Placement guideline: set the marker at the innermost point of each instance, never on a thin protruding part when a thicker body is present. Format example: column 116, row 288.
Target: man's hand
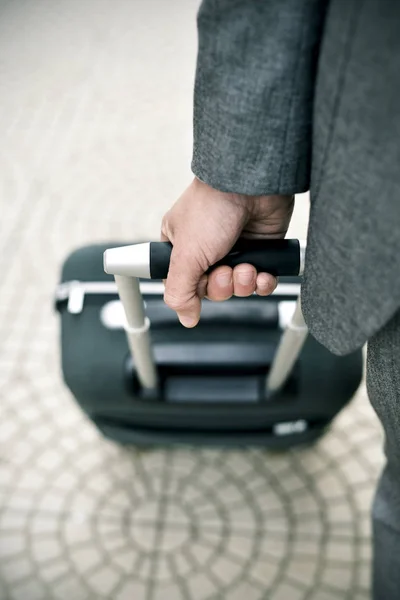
column 203, row 225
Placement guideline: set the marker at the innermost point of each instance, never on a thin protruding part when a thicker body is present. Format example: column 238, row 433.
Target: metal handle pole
column 137, row 327
column 288, row 350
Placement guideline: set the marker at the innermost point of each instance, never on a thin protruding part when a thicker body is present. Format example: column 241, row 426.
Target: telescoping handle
column 151, row 260
column 137, row 327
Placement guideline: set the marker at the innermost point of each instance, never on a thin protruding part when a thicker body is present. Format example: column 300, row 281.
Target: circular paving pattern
column 84, row 518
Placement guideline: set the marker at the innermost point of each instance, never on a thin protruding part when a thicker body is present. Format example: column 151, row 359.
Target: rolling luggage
column 248, row 374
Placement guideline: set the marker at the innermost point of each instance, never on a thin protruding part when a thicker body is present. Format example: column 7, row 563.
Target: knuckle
column 167, row 225
column 174, row 302
column 164, row 226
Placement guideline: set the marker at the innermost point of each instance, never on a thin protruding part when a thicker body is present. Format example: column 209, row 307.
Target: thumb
column 182, row 284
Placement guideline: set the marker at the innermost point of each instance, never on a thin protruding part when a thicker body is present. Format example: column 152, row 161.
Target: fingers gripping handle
column 278, row 257
column 151, row 260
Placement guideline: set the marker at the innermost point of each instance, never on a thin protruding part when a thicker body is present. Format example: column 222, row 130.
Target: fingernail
column 245, row 277
column 187, row 321
column 224, row 279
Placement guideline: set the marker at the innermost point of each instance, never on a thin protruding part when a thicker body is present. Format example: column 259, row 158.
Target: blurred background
column 95, row 123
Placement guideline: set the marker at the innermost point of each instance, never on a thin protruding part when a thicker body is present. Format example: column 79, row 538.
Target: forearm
column 253, row 94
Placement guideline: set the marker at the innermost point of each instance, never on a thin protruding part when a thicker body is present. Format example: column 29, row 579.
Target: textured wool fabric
column 253, row 94
column 383, row 380
column 352, row 276
column 386, row 567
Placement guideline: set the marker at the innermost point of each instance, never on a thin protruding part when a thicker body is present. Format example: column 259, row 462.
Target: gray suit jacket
column 299, row 94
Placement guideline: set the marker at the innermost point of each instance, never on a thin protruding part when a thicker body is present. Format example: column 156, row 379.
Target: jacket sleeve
column 253, row 96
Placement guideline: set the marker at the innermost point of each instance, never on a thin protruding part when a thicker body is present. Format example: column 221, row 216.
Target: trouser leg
column 383, row 381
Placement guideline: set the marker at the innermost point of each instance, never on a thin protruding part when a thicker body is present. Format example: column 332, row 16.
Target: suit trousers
column 383, row 382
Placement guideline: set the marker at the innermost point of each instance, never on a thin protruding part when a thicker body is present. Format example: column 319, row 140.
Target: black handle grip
column 278, row 257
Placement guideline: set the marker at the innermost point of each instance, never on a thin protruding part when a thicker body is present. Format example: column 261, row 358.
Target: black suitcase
column 212, row 377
